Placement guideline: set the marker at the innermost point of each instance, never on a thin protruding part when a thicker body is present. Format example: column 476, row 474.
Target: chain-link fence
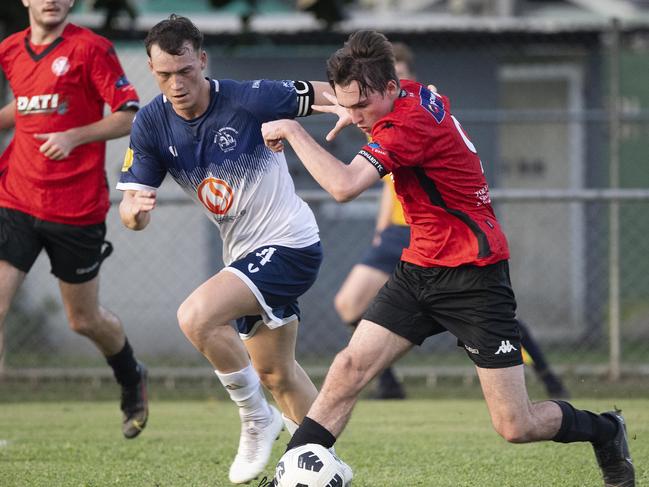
column 560, row 120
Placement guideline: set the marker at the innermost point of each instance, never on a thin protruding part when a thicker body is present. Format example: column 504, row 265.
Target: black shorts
column 75, row 252
column 476, row 304
column 387, row 254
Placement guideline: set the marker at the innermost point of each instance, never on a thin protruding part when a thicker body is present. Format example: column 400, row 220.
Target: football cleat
column 613, row 456
column 135, row 405
column 255, row 445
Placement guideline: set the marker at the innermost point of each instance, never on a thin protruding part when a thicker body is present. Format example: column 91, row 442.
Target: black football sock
column 311, row 431
column 125, row 366
column 580, row 425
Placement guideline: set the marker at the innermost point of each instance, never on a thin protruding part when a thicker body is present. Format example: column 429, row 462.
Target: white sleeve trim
column 135, row 187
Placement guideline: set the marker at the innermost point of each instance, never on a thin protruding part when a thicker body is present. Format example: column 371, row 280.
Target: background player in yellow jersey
column 391, row 236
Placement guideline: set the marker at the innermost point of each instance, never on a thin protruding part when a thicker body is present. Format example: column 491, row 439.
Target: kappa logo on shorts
column 216, row 195
column 505, row 347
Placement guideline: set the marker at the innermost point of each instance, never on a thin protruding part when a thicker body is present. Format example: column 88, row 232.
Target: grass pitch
column 421, row 442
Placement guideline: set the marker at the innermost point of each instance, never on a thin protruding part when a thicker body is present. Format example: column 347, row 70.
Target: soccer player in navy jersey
column 53, row 192
column 454, row 275
column 206, row 133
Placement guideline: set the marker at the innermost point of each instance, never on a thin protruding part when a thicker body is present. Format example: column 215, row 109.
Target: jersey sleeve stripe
column 135, row 187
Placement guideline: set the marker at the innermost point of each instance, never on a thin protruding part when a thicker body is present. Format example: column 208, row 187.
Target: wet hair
column 367, row 58
column 171, row 35
column 403, row 54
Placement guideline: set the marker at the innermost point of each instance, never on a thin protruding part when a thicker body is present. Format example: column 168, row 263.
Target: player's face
column 180, row 79
column 48, row 14
column 366, row 110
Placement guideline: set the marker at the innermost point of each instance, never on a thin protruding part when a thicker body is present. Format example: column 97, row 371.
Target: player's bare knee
column 275, row 379
column 345, row 307
column 513, row 430
column 83, row 324
column 352, row 370
column 189, row 321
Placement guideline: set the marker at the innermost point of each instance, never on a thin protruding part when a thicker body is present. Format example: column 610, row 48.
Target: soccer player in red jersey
column 53, row 188
column 454, row 275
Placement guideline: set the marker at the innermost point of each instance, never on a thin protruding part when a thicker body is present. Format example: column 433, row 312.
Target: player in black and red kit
column 53, row 188
column 454, row 275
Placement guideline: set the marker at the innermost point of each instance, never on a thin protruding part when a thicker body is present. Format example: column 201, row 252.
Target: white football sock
column 291, row 426
column 245, row 390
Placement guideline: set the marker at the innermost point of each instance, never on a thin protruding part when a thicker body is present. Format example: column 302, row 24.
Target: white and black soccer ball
column 309, row 465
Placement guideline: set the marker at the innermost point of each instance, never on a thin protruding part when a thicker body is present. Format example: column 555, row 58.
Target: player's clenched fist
column 273, row 133
column 135, row 208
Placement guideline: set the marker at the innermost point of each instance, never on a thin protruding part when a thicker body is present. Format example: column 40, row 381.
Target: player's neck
column 200, row 107
column 44, row 35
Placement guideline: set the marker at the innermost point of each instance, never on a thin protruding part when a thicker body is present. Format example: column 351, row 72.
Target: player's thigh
column 360, row 287
column 219, row 300
column 80, row 300
column 273, row 350
column 10, row 280
column 505, row 393
column 373, row 347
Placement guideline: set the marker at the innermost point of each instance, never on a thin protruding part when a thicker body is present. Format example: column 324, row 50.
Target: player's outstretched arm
column 342, row 181
column 332, row 106
column 135, row 208
column 58, row 145
column 8, row 116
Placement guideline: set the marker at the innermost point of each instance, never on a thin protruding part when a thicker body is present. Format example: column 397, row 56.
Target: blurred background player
column 271, row 244
column 391, row 236
column 53, row 192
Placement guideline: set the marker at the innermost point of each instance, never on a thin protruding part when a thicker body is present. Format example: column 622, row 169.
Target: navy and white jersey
column 220, row 160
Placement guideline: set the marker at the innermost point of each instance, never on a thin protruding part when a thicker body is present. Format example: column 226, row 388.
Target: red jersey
column 439, row 180
column 62, row 86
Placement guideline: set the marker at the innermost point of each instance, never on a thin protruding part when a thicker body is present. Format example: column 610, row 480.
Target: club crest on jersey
column 60, row 65
column 226, row 138
column 216, row 195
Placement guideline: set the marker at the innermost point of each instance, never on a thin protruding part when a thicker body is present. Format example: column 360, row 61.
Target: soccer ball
column 309, row 465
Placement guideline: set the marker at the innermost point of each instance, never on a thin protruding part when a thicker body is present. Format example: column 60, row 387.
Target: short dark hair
column 367, row 58
column 171, row 35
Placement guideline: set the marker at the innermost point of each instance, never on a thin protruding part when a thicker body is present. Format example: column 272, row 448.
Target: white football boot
column 255, row 445
column 348, row 474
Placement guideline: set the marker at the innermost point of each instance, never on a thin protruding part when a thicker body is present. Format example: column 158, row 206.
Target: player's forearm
column 320, row 87
column 8, row 116
column 113, row 126
column 329, row 172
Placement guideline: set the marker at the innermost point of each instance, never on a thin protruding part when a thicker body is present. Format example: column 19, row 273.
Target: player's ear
column 203, row 59
column 392, row 88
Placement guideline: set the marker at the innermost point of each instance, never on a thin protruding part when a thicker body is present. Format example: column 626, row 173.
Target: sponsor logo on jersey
column 216, row 195
column 432, row 104
column 48, row 103
column 128, row 160
column 121, row 82
column 376, row 147
column 226, row 138
column 60, row 66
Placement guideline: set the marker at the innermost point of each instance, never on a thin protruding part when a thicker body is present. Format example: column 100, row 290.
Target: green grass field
column 422, row 442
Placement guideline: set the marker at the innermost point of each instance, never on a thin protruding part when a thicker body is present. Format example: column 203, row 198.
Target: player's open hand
column 56, row 145
column 344, row 119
